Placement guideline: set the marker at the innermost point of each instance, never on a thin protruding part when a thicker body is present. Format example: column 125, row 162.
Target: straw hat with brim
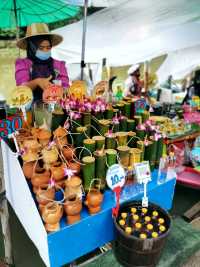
column 133, row 68
column 37, row 29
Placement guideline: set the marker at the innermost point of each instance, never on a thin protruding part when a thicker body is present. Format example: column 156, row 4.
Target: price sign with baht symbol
column 115, row 179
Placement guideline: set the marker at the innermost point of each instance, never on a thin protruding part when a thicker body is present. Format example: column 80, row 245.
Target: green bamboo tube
column 110, row 141
column 103, row 126
column 124, row 155
column 115, row 111
column 145, row 115
column 86, row 119
column 150, row 153
column 130, row 125
column 90, row 145
column 115, row 127
column 141, row 133
column 76, row 123
column 127, row 109
column 99, row 141
column 138, row 120
column 135, row 156
column 120, row 107
column 132, row 139
column 140, row 145
column 98, row 115
column 80, row 136
column 158, row 144
column 123, row 124
column 111, row 156
column 109, row 113
column 88, row 170
column 58, row 119
column 122, row 138
column 100, row 167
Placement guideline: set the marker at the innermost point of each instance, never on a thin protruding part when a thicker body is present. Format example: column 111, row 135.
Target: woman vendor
column 133, row 85
column 39, row 69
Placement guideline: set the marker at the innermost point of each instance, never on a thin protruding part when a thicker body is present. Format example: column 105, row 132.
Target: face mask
column 43, row 55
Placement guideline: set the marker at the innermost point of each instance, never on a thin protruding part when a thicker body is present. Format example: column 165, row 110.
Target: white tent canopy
column 180, row 63
column 133, row 31
column 94, row 3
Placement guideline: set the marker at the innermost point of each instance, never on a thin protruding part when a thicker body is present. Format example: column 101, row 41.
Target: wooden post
column 5, row 216
column 146, row 71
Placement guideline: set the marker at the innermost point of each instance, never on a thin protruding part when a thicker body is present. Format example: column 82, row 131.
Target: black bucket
column 131, row 251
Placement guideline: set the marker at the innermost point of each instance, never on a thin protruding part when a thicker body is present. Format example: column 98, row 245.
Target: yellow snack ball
column 135, row 217
column 122, row 222
column 128, row 230
column 147, row 219
column 144, row 210
column 161, row 220
column 133, row 210
column 149, row 226
column 154, row 234
column 138, row 225
column 124, row 215
column 155, row 213
column 143, row 236
column 162, row 228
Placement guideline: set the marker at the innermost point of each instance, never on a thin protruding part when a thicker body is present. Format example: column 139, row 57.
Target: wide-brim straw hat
column 133, row 68
column 37, row 29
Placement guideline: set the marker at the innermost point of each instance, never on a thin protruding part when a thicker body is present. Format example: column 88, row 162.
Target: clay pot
column 28, row 168
column 60, row 136
column 22, row 134
column 51, row 214
column 73, row 207
column 57, row 171
column 73, row 186
column 44, row 137
column 35, row 132
column 50, row 155
column 93, row 201
column 68, row 152
column 75, row 166
column 61, row 183
column 31, row 143
column 30, row 156
column 40, row 177
column 44, row 196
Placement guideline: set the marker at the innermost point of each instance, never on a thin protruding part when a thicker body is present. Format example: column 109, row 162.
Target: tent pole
column 84, row 38
column 16, row 19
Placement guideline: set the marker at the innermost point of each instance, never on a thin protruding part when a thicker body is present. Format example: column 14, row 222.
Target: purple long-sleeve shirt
column 23, row 68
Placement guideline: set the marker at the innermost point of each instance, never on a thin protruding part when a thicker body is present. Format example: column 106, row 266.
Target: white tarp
column 179, row 63
column 133, row 31
column 20, row 198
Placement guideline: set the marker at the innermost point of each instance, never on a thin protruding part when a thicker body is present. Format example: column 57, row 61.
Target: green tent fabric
column 33, row 11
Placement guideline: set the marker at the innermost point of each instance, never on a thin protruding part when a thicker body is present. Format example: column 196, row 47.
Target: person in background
column 38, row 70
column 194, row 88
column 133, row 85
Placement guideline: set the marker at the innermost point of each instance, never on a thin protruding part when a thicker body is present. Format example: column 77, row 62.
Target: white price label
column 115, row 176
column 143, row 173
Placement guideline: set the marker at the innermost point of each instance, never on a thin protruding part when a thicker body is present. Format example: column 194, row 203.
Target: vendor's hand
column 43, row 83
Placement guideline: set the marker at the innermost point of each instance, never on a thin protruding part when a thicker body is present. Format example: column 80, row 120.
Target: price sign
column 115, row 176
column 9, row 126
column 143, row 173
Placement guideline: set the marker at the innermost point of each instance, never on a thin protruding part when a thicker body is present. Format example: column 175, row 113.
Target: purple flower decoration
column 52, row 182
column 69, row 172
column 67, row 124
column 50, row 144
column 141, row 127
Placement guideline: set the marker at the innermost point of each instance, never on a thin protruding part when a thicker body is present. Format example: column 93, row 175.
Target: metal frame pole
column 84, row 38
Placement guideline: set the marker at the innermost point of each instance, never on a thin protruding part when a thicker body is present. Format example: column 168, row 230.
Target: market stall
column 58, row 166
